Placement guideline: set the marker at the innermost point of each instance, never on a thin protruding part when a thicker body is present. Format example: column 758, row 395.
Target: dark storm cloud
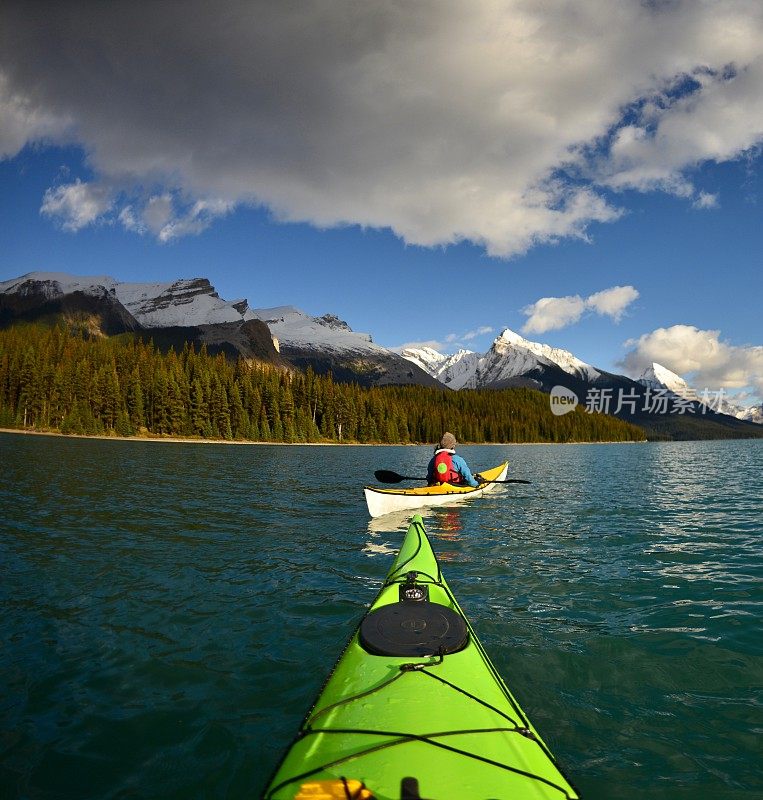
column 441, row 120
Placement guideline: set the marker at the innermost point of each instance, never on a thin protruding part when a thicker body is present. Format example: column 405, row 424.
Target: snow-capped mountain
column 752, row 414
column 510, row 357
column 328, row 343
column 40, row 295
column 459, row 371
column 181, row 303
column 511, row 347
column 658, row 377
column 190, row 310
column 456, row 371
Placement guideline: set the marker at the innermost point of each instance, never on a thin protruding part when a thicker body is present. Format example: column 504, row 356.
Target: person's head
column 448, row 441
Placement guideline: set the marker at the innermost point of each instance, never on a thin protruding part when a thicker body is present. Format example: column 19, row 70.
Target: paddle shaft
column 388, row 476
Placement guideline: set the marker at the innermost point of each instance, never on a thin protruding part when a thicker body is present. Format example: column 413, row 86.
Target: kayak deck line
column 405, row 738
column 557, row 784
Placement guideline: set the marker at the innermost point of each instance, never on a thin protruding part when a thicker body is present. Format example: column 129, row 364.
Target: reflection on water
column 450, row 523
column 397, row 521
column 379, row 549
column 443, row 522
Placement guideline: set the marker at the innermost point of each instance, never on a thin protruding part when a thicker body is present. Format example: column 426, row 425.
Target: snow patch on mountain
column 294, row 328
column 56, row 284
column 751, row 414
column 510, row 356
column 457, row 371
column 515, row 348
column 183, row 303
column 427, row 358
column 190, row 302
column 461, row 370
column 658, row 377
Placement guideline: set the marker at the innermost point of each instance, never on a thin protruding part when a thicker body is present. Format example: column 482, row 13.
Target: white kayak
column 384, row 501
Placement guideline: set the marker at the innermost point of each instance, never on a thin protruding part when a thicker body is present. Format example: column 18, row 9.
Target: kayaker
column 447, row 467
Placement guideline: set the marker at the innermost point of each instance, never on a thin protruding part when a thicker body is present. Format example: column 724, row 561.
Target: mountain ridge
column 513, row 361
column 191, row 310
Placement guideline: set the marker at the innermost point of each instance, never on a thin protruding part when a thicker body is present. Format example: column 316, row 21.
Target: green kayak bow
column 414, row 708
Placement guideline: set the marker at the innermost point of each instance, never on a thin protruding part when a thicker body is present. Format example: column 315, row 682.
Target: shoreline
column 182, row 440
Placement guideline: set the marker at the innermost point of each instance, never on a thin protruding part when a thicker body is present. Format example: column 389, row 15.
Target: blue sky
column 396, row 172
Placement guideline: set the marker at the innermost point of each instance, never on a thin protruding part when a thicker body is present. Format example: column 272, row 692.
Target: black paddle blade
column 388, row 476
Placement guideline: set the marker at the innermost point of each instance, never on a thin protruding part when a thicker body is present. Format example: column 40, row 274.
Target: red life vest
column 444, row 471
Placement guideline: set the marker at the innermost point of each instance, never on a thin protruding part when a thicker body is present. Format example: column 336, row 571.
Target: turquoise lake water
column 169, row 611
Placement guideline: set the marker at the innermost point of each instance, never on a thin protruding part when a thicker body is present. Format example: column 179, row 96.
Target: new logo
column 563, row 400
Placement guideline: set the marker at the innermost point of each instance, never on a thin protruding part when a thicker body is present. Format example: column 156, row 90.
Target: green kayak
column 415, row 709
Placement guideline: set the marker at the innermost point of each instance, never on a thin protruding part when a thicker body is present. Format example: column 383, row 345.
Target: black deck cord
column 478, row 700
column 419, row 530
column 347, row 793
column 402, row 669
column 307, row 730
column 404, row 738
column 344, row 701
column 421, row 667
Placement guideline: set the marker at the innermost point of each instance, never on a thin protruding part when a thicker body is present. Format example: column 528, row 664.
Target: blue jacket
column 458, row 464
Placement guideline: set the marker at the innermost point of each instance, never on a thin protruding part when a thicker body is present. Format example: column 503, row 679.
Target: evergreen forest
column 63, row 379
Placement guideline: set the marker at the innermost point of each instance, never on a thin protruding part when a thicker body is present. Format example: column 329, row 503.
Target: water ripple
column 170, row 611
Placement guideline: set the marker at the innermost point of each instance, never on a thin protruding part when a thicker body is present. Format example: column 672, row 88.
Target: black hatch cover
column 413, row 629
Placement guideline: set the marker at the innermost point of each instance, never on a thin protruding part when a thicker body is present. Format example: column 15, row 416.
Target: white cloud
column 612, row 302
column 441, row 122
column 76, row 205
column 132, row 221
column 552, row 313
column 701, row 354
column 431, row 344
column 716, row 114
column 161, row 217
column 706, row 200
column 481, row 331
column 459, row 339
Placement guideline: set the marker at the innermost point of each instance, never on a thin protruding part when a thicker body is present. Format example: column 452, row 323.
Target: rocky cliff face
column 40, row 300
